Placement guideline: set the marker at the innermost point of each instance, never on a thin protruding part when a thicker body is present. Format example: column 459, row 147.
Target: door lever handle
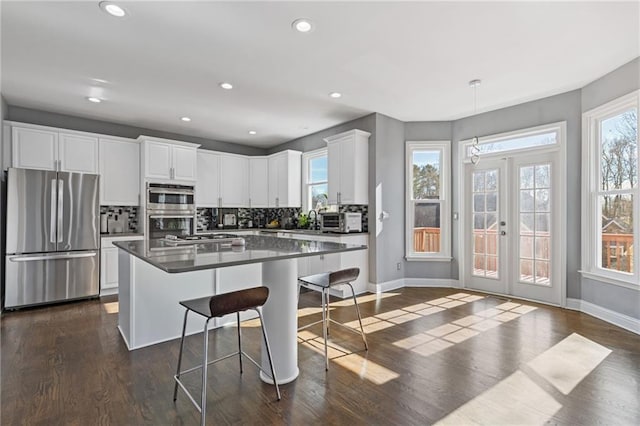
column 503, row 232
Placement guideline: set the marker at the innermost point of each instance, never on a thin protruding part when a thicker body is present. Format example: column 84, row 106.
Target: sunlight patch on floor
column 569, row 362
column 398, row 316
column 111, row 307
column 364, row 299
column 363, row 367
column 444, row 336
column 516, row 400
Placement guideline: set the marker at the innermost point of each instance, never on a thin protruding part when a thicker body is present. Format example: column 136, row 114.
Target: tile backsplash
column 207, row 218
column 119, row 218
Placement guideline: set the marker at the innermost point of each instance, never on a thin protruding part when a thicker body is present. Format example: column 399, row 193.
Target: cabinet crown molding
column 143, row 138
column 347, row 134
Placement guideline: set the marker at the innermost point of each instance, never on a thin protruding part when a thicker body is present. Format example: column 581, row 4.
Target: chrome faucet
column 315, row 219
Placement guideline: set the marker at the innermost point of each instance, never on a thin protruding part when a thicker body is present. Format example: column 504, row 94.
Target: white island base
column 149, row 312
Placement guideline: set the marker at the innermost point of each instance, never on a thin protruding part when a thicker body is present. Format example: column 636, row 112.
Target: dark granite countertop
column 276, row 230
column 173, row 258
column 121, row 234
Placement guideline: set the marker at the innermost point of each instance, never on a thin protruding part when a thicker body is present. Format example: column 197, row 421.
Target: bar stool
column 325, row 281
column 217, row 306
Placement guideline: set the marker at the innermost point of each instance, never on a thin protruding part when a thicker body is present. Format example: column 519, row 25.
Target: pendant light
column 474, row 150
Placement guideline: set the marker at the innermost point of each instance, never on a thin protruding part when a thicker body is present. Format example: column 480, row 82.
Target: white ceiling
column 411, row 61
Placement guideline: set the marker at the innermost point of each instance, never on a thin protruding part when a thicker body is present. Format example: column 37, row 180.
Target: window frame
column 591, row 192
column 306, row 185
column 444, row 146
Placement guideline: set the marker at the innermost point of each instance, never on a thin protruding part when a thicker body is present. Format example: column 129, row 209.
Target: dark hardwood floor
column 435, row 355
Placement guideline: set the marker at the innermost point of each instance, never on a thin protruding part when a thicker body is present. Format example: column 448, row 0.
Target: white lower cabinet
column 109, row 263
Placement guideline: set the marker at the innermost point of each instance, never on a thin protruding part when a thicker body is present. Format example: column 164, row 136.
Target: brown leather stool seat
column 218, row 306
column 325, row 281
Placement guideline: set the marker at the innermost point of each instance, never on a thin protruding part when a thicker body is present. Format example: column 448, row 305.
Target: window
column 611, row 200
column 532, row 139
column 428, row 225
column 314, row 175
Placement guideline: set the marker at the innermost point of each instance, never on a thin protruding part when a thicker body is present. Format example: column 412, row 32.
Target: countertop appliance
column 340, row 222
column 229, row 220
column 53, row 239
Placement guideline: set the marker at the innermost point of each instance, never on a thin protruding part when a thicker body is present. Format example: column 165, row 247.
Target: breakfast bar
column 155, row 275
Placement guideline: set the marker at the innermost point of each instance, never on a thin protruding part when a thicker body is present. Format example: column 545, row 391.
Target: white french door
column 512, row 220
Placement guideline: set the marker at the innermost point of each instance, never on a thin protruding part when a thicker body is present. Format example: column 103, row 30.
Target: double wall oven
column 170, row 210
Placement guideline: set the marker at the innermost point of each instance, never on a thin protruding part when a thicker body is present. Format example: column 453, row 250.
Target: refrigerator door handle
column 52, row 228
column 60, row 208
column 60, row 256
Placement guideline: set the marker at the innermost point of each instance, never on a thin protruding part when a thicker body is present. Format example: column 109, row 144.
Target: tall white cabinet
column 348, row 167
column 119, row 172
column 234, row 180
column 285, row 186
column 258, row 182
column 208, row 183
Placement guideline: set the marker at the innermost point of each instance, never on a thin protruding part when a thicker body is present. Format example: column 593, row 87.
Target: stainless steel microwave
column 341, row 222
column 170, row 198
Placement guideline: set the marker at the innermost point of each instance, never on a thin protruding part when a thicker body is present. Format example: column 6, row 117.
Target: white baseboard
column 412, row 282
column 385, row 286
column 431, row 282
column 612, row 317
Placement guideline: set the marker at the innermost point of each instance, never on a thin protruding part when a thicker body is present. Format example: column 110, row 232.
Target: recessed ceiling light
column 94, row 99
column 253, row 132
column 302, row 25
column 112, row 9
column 226, row 86
column 335, row 95
column 187, row 119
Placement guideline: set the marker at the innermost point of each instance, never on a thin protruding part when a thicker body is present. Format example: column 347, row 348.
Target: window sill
column 428, row 259
column 610, row 280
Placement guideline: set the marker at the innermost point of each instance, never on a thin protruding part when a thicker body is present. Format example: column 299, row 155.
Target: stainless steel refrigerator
column 52, row 236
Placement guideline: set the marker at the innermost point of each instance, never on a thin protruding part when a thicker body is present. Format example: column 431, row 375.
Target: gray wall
column 3, row 115
column 428, row 131
column 563, row 107
column 389, row 172
column 617, row 83
column 45, row 118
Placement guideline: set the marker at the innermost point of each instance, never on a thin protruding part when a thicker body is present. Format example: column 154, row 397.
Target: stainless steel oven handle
column 172, row 191
column 175, row 216
column 29, row 258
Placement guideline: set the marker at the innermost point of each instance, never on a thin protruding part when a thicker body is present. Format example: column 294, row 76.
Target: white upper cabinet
column 167, row 160
column 348, row 167
column 119, row 172
column 258, row 182
column 234, row 180
column 78, row 153
column 285, row 173
column 208, row 183
column 184, row 163
column 44, row 148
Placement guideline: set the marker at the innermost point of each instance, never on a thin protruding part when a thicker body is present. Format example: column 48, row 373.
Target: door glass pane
column 485, row 225
column 426, row 227
column 616, row 236
column 426, row 174
column 535, row 223
column 619, row 151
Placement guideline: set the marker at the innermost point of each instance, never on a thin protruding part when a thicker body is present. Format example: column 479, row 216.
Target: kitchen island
column 154, row 275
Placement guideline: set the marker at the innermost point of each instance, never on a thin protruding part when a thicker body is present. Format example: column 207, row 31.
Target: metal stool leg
column 184, row 329
column 325, row 330
column 239, row 342
column 328, row 310
column 203, row 403
column 266, row 343
column 355, row 302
